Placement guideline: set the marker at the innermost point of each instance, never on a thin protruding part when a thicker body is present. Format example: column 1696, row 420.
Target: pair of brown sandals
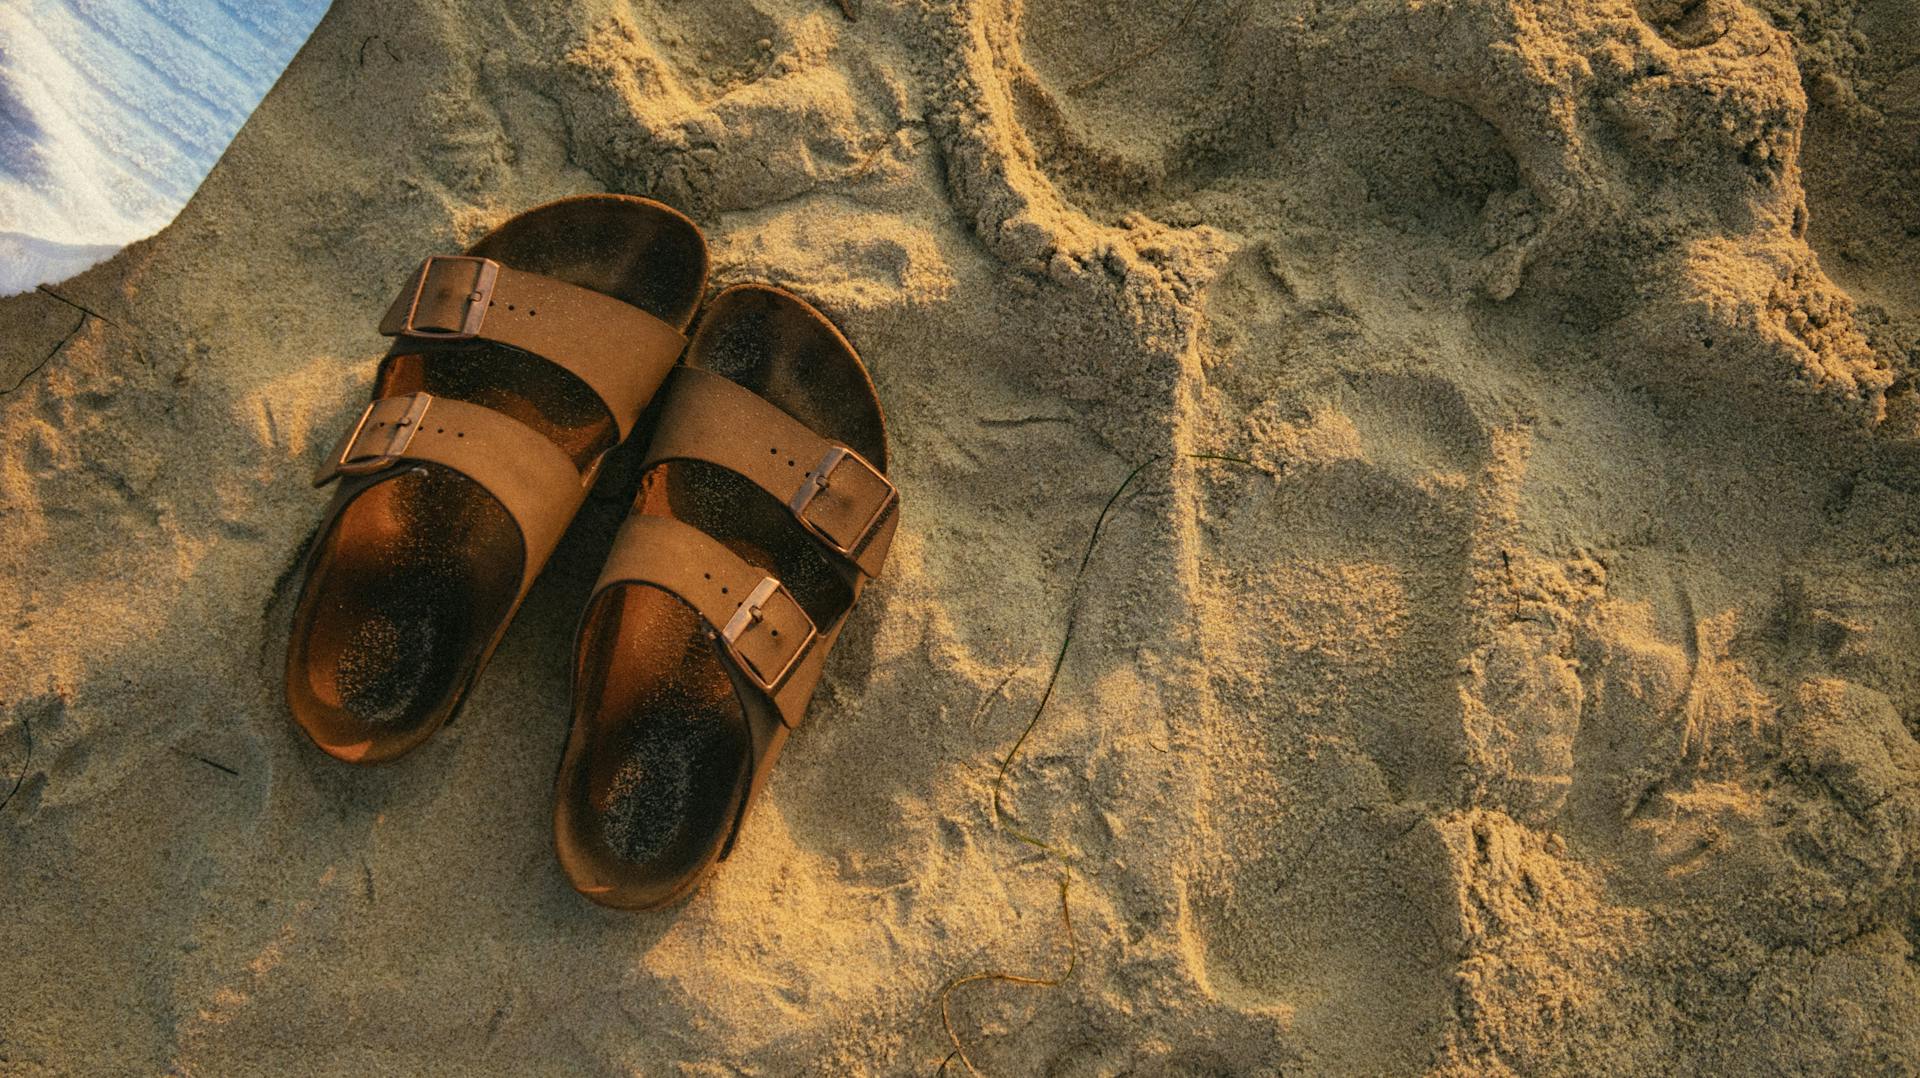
column 764, row 508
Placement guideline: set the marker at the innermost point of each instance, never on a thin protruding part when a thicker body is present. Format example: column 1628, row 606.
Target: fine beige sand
column 1533, row 692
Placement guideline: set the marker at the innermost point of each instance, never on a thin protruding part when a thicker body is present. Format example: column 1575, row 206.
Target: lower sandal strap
column 757, row 624
column 529, row 475
column 621, row 352
column 834, row 493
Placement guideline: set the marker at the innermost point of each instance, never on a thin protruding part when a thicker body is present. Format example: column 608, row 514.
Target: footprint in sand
column 1336, row 609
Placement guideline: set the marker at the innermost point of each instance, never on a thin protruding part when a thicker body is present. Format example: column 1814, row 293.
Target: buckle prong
column 752, row 612
column 485, row 272
column 350, row 457
column 819, row 479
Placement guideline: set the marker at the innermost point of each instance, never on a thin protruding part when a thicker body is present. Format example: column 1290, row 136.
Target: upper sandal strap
column 530, row 476
column 756, row 621
column 621, row 352
column 834, row 493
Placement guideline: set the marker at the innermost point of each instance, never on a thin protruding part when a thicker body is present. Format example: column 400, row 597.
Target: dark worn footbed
column 660, row 759
column 412, row 584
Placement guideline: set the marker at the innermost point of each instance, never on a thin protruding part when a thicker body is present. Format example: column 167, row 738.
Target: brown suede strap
column 833, row 492
column 621, row 352
column 530, row 476
column 757, row 624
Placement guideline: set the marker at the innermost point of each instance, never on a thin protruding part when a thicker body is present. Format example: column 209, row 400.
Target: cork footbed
column 661, row 755
column 410, row 586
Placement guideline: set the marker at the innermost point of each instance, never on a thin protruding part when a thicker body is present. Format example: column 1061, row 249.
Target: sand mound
column 1532, row 693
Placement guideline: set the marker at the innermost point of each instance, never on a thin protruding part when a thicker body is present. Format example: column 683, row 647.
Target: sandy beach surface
column 1507, row 660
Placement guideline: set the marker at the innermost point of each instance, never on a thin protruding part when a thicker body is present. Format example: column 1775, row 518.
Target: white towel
column 113, row 111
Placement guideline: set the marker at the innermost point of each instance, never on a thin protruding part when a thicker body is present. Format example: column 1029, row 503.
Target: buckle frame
column 344, row 460
column 819, row 479
column 749, row 614
column 486, row 271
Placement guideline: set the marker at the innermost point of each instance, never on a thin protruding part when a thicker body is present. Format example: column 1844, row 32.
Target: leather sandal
column 515, row 369
column 764, row 509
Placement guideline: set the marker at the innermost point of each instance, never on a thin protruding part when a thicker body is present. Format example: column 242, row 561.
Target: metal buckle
column 485, row 272
column 749, row 614
column 819, row 479
column 389, row 437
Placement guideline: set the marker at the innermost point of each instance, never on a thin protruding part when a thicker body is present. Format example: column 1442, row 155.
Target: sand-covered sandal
column 515, row 369
column 764, row 509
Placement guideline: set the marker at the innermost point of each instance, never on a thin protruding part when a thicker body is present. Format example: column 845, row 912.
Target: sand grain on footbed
column 1532, row 692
